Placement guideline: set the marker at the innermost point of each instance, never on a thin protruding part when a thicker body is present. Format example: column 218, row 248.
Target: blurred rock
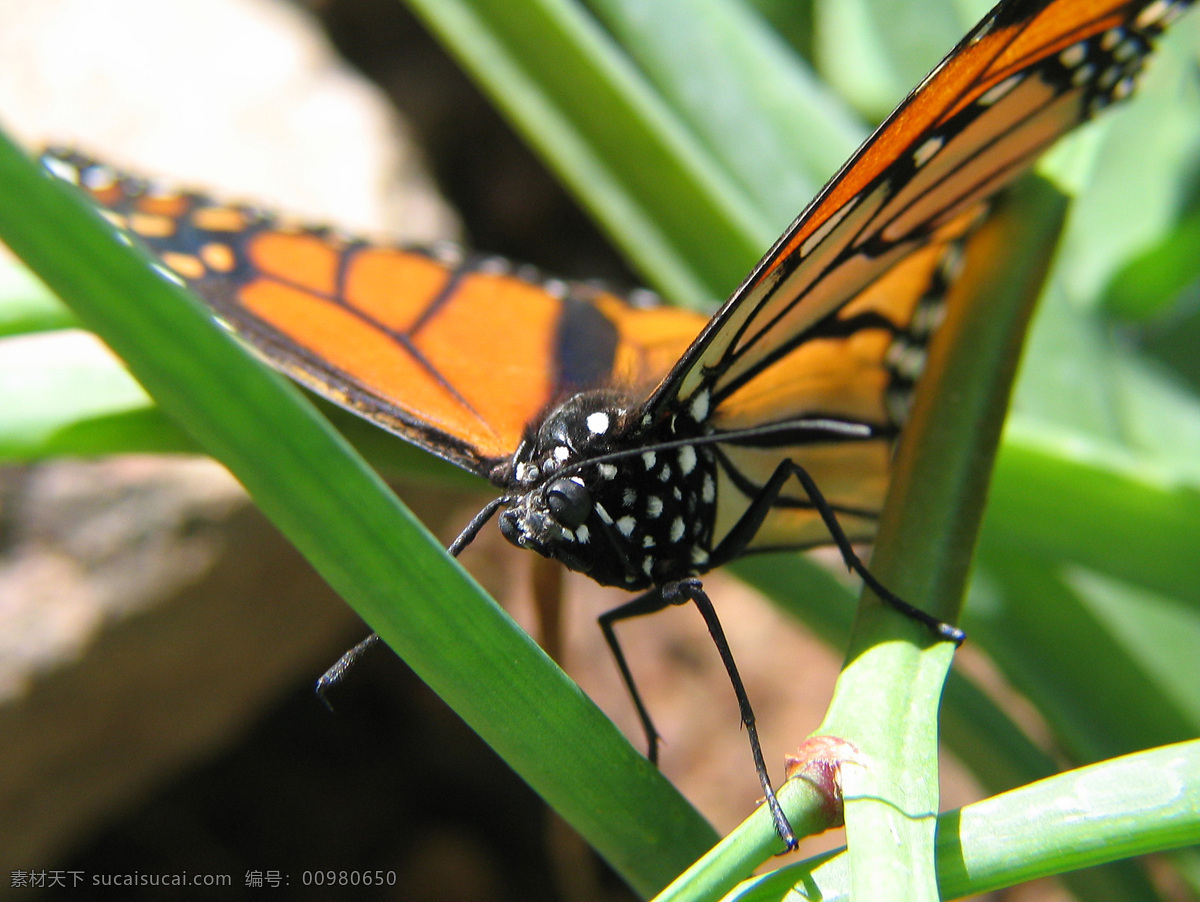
column 148, row 613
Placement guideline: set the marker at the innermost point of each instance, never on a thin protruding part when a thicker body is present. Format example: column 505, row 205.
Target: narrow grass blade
column 309, row 481
column 576, row 99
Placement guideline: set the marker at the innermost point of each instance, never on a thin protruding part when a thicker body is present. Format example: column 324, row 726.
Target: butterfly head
column 589, row 489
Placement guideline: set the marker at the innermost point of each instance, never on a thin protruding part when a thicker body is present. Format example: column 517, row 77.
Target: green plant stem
column 885, row 703
column 1086, row 817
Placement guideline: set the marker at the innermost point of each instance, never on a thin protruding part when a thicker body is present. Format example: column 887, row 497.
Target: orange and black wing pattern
column 465, row 355
column 821, row 326
column 456, row 353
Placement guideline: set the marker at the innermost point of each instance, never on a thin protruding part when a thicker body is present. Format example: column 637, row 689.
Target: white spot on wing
column 1073, row 55
column 1126, row 50
column 922, row 154
column 1083, row 75
column 61, row 169
column 1152, row 13
column 98, row 178
column 827, row 226
column 998, row 90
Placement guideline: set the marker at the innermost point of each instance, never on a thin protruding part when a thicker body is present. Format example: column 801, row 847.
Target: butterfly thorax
column 615, row 493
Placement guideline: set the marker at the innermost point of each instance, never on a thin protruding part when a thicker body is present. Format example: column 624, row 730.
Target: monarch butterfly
column 645, row 446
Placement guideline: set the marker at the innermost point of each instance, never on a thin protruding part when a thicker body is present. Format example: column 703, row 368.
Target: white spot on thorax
column 597, row 423
column 625, row 526
column 677, row 529
column 687, row 459
column 649, row 458
column 654, row 506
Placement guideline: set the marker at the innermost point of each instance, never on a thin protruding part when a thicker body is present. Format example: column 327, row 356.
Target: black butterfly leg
column 649, row 603
column 677, row 593
column 745, row 529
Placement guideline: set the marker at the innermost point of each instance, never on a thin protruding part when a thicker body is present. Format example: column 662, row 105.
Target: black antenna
column 342, row 666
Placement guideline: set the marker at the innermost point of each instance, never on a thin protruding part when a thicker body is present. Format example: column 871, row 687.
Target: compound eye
column 569, row 502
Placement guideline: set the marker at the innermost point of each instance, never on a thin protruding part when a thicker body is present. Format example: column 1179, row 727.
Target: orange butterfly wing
column 1031, row 71
column 462, row 355
column 454, row 353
